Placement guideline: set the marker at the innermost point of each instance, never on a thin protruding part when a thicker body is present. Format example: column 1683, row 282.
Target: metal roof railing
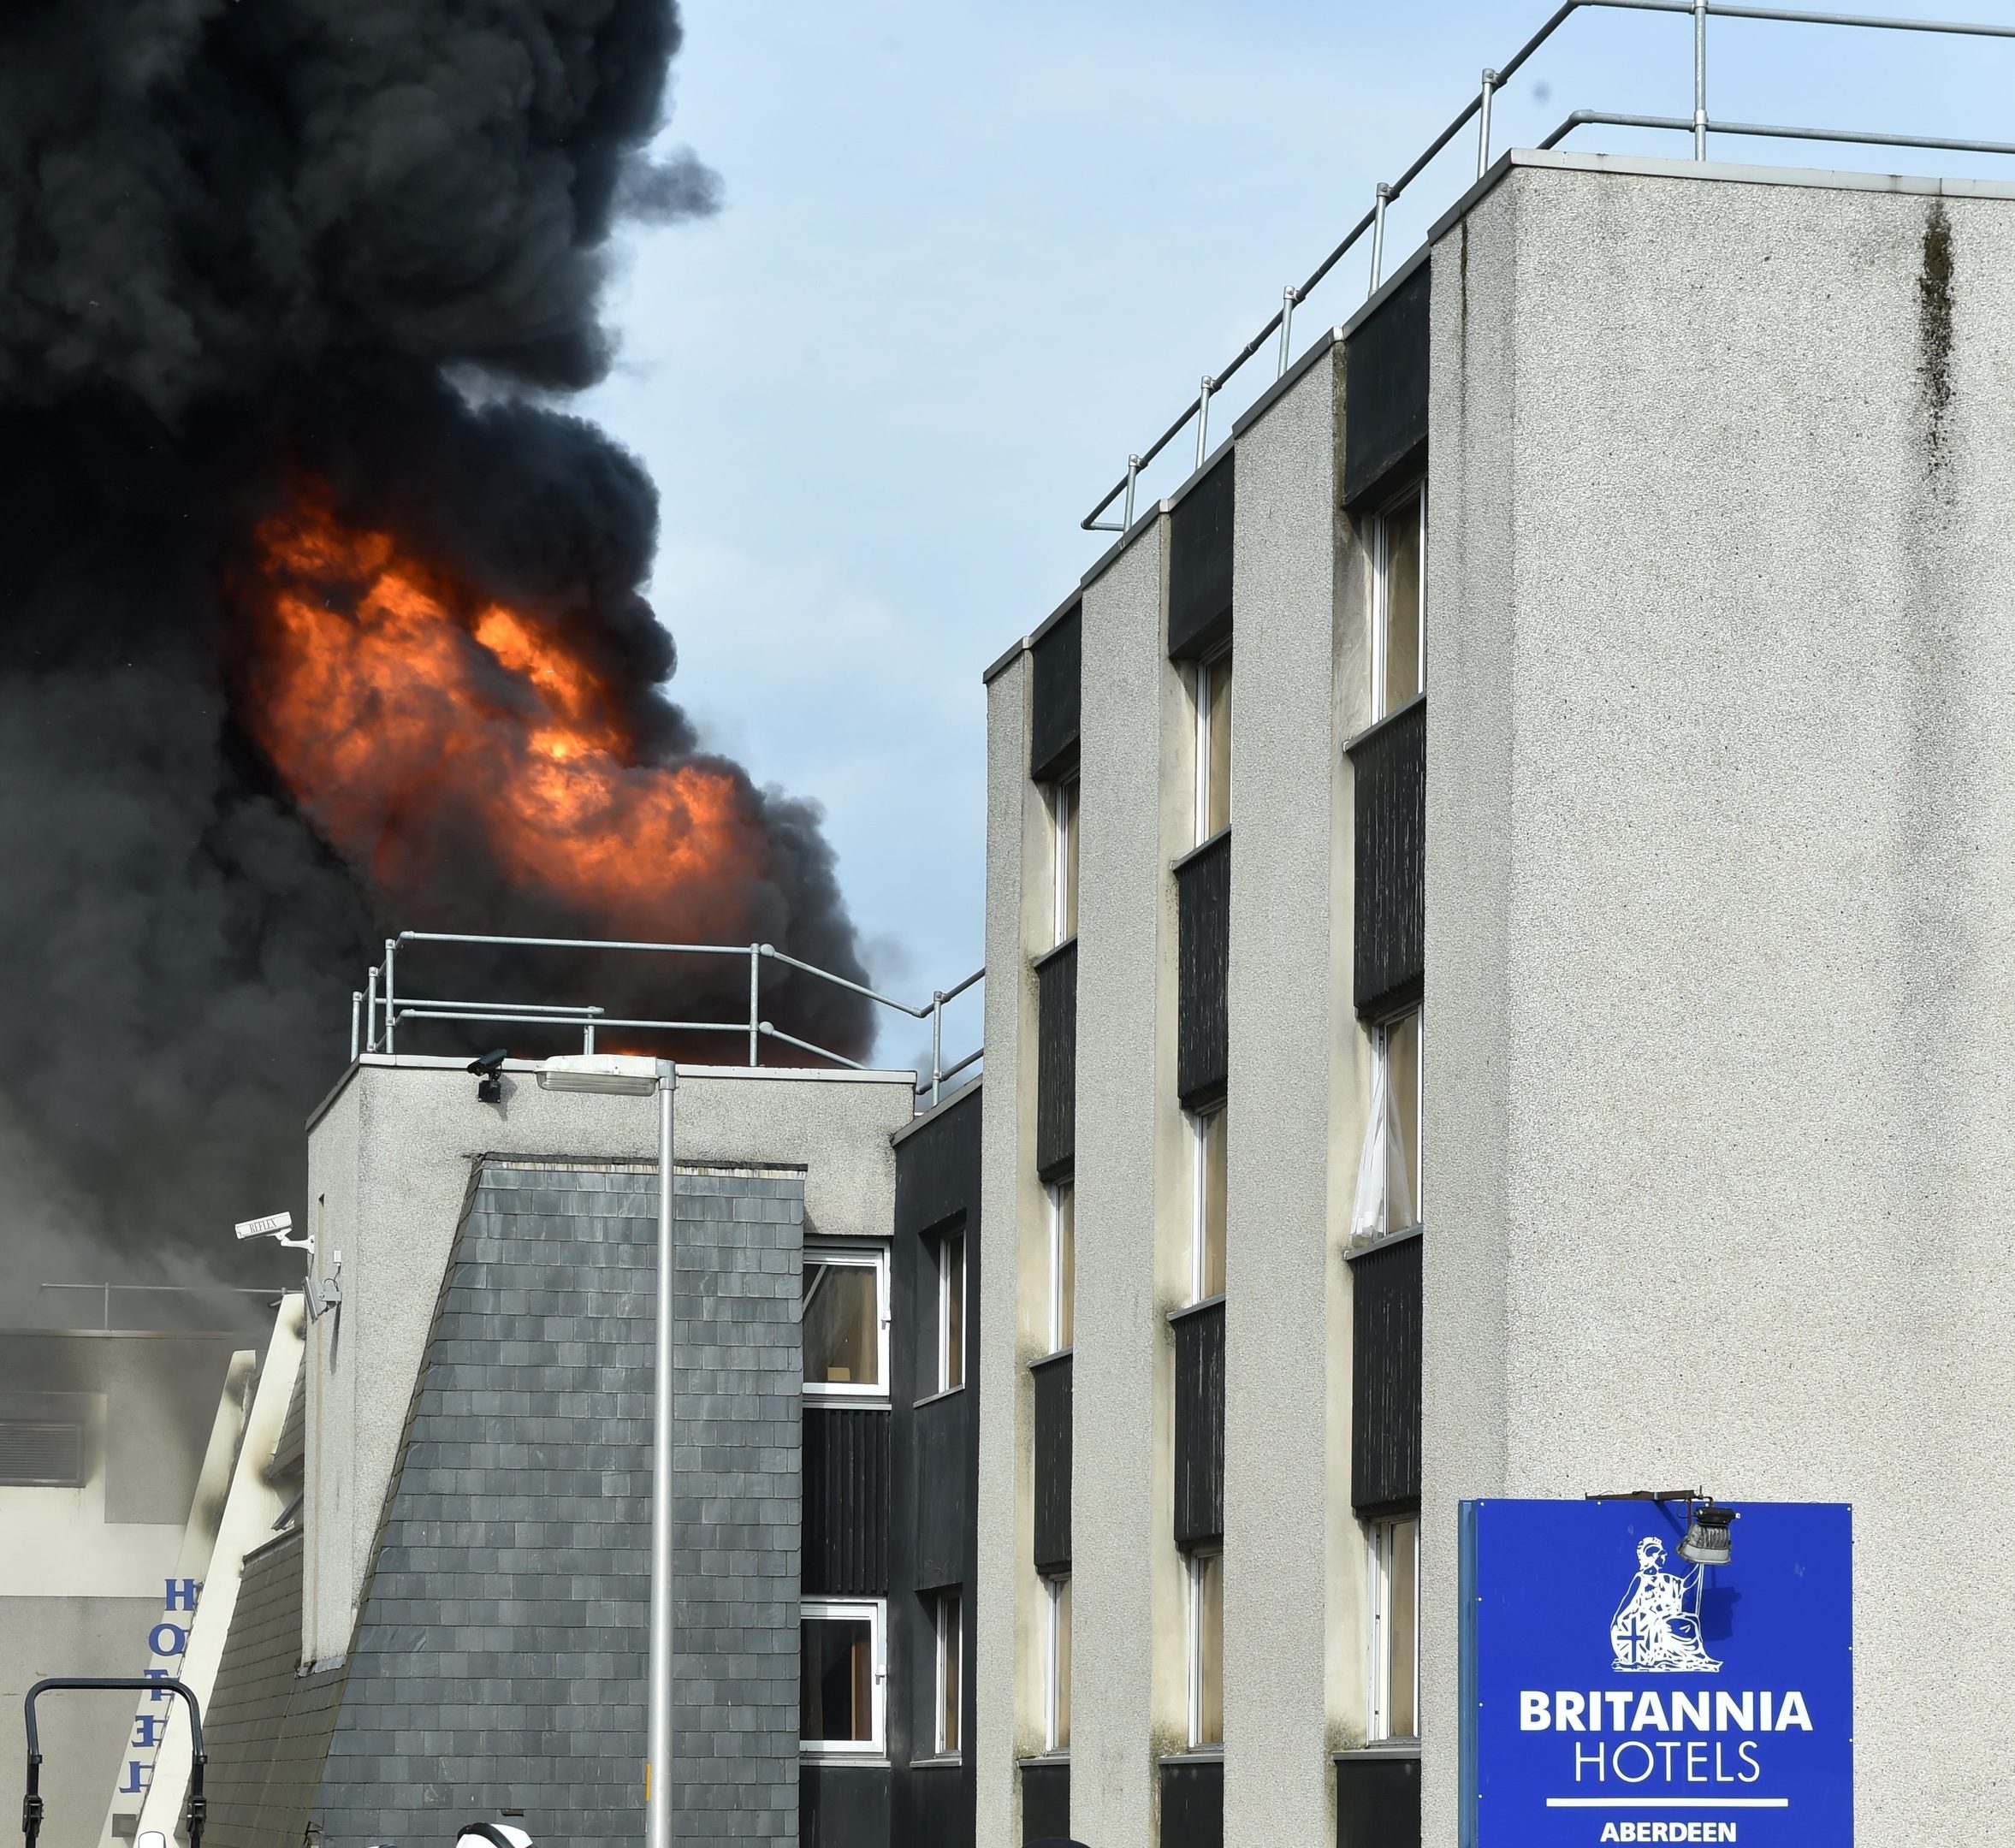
column 1700, row 125
column 378, row 1009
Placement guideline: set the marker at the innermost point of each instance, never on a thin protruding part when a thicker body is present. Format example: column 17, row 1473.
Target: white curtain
column 1385, row 1197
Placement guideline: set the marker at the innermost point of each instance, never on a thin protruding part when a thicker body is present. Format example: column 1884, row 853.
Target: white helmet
column 492, row 1835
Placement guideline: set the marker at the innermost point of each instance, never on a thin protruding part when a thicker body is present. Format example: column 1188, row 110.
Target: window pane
column 1216, row 744
column 1207, row 1589
column 1400, row 603
column 951, row 1299
column 1060, row 1664
column 1402, row 1626
column 1065, row 807
column 1211, row 1204
column 841, row 1324
column 836, row 1679
column 1063, row 1265
column 948, row 1672
column 1402, row 1055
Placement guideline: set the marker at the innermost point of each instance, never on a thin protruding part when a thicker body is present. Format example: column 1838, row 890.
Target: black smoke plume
column 246, row 245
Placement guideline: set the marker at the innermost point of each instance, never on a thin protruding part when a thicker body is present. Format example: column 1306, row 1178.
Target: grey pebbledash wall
column 500, row 1650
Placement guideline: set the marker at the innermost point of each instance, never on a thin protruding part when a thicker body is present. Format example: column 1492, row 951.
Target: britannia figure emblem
column 1657, row 1627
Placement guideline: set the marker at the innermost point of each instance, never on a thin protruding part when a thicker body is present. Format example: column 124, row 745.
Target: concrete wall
column 1283, row 1261
column 1720, row 901
column 389, row 1164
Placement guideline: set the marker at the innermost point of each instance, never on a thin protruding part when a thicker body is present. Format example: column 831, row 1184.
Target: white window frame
column 1382, row 1067
column 1054, row 1693
column 864, row 1257
column 1064, row 819
column 939, row 1246
column 1381, row 555
column 1199, row 1122
column 947, row 1617
column 1379, row 1537
column 1055, row 1193
column 1193, row 1674
column 875, row 1610
column 1200, row 699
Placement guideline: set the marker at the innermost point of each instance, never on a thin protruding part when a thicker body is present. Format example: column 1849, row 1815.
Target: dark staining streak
column 1935, row 330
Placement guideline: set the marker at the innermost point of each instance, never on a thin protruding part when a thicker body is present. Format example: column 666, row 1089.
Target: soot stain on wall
column 1935, row 306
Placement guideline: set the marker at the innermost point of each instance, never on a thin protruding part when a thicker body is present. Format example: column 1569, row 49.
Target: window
column 1208, row 1204
column 950, row 1366
column 1063, row 866
column 1063, row 1264
column 946, row 1614
column 1213, row 746
column 1389, row 1170
column 1399, row 634
column 841, row 1679
column 844, row 1322
column 1056, row 1719
column 1207, row 1649
column 1395, row 1627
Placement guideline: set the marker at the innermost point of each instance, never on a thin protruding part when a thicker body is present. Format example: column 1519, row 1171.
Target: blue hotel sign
column 1612, row 1692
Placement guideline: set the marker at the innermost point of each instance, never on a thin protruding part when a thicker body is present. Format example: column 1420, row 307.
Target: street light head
column 1708, row 1540
column 601, row 1074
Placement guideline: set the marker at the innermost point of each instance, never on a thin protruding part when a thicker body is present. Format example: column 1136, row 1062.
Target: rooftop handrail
column 1699, row 125
column 379, row 1008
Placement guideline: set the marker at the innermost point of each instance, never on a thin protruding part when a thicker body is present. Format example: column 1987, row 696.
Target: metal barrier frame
column 1699, row 125
column 32, row 1807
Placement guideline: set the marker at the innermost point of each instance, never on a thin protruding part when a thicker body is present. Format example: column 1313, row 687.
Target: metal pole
column 391, row 1014
column 356, row 1019
column 657, row 1770
column 1483, row 118
column 1288, row 296
column 370, row 1013
column 937, row 1040
column 1379, row 239
column 1126, row 523
column 755, row 972
column 1699, row 80
column 588, row 1035
column 1203, row 416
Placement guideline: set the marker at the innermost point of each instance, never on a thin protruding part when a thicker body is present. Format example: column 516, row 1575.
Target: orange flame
column 402, row 713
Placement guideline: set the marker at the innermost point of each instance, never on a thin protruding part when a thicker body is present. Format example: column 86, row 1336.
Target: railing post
column 1126, row 523
column 356, row 1020
column 1379, row 239
column 1699, row 80
column 937, row 1039
column 1483, row 132
column 1288, row 297
column 1203, row 416
column 370, row 1013
column 391, row 1011
column 588, row 1035
column 755, row 974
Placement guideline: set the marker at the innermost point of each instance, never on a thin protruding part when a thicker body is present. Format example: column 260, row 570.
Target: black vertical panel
column 1055, row 1060
column 1199, row 1424
column 1389, row 766
column 846, row 1502
column 1199, row 564
column 1046, row 1798
column 843, row 1805
column 1385, row 1374
column 1378, row 1800
column 934, row 1536
column 1055, row 695
column 1203, row 970
column 1193, row 1803
column 1385, row 389
column 1053, row 1463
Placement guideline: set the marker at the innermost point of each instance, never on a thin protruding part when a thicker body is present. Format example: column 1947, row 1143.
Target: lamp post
column 615, row 1075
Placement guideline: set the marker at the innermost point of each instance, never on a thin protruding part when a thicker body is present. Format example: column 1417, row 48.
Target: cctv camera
column 488, row 1070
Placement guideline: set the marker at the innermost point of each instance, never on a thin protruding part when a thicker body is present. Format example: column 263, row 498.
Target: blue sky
column 970, row 257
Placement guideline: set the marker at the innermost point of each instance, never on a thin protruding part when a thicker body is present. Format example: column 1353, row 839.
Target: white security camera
column 278, row 1227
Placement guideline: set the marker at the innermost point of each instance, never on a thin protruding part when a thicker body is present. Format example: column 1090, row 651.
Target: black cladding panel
column 1203, row 972
column 942, row 1433
column 1385, row 1375
column 1045, row 1799
column 938, row 1167
column 1193, row 1803
column 1057, row 678
column 1053, row 1463
column 1385, row 389
column 1056, row 1061
column 1377, row 1800
column 1389, row 770
column 1199, row 564
column 845, row 1541
column 843, row 1806
column 1199, row 1424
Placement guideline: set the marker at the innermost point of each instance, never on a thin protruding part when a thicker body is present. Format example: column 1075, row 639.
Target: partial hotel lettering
column 1705, row 1703
column 167, row 1640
